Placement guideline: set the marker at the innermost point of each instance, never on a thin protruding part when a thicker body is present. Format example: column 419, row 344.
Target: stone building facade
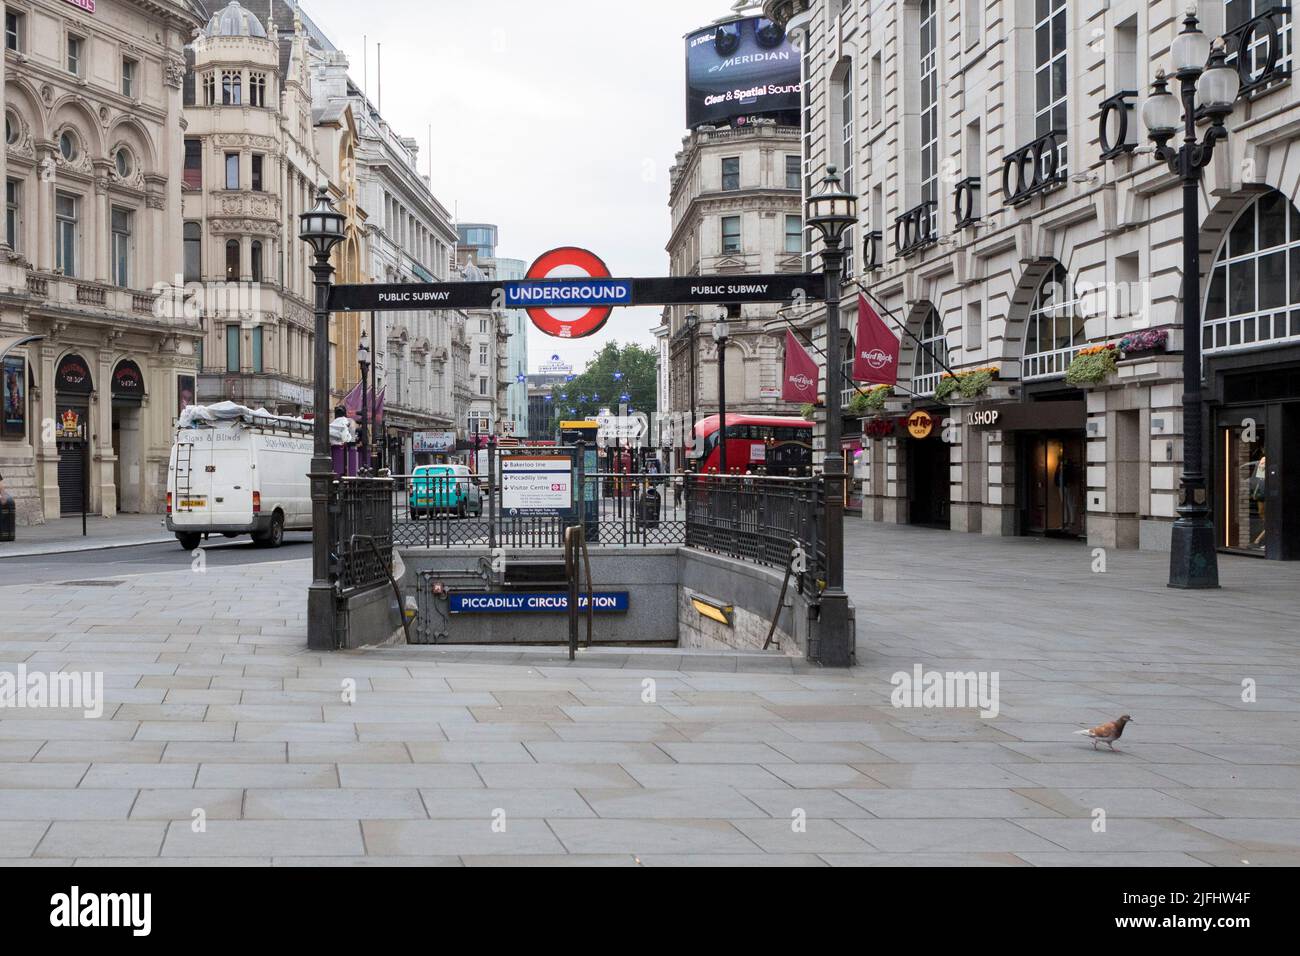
column 255, row 153
column 1012, row 218
column 735, row 200
column 409, row 238
column 92, row 161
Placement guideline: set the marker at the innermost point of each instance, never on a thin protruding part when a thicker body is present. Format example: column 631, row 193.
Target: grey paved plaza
column 503, row 756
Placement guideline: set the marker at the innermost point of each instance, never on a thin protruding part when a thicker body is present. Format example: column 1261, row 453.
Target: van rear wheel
column 273, row 537
column 189, row 540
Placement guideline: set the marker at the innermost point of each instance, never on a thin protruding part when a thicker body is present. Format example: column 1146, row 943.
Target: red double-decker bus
column 779, row 446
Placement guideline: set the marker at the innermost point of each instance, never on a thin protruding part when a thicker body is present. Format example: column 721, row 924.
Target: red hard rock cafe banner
column 799, row 378
column 875, row 353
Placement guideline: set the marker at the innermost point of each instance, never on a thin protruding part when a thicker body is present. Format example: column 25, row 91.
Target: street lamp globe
column 1191, row 47
column 1160, row 113
column 830, row 209
column 691, row 321
column 1217, row 87
column 720, row 330
column 322, row 224
column 363, row 351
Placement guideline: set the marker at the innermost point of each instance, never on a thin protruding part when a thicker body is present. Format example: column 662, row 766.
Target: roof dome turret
column 234, row 21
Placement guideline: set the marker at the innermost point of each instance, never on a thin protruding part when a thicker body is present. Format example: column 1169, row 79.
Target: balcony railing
column 967, row 202
column 1034, row 168
column 871, row 257
column 1115, row 113
column 917, row 228
column 1259, row 50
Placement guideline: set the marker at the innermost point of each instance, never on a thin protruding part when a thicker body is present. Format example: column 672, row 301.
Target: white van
column 234, row 471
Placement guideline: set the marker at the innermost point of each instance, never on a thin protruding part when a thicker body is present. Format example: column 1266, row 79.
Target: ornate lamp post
column 321, row 227
column 363, row 363
column 831, row 212
column 1209, row 90
column 720, row 334
column 692, row 323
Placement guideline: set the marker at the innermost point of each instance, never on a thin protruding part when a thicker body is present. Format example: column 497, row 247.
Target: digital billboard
column 741, row 68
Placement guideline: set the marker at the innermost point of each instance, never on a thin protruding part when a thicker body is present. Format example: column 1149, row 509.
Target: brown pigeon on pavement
column 1106, row 733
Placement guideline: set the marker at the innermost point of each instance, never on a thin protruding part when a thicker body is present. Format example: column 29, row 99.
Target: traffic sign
column 591, row 292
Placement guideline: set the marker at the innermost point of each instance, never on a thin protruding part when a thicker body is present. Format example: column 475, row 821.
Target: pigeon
column 1106, row 733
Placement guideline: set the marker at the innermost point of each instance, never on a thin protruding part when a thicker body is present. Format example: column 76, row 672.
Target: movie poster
column 13, row 398
column 184, row 392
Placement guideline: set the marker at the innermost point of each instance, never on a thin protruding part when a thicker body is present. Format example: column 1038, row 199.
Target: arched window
column 232, row 260
column 1254, row 293
column 931, row 354
column 1054, row 330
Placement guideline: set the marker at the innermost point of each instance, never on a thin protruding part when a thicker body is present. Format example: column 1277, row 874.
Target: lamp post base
column 1193, row 561
column 835, row 638
column 321, row 618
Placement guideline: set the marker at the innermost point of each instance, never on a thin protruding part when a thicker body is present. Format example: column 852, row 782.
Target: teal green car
column 448, row 488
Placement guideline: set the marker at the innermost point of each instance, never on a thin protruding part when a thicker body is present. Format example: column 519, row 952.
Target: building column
column 999, row 517
column 95, row 232
column 43, row 441
column 103, row 489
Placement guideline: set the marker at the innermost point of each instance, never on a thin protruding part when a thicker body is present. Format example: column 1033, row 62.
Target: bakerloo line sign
column 568, row 306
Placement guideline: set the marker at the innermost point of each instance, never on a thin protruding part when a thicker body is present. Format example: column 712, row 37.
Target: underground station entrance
column 576, row 544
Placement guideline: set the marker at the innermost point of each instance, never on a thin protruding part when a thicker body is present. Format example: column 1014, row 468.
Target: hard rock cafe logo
column 69, row 424
column 801, row 382
column 920, row 424
column 877, row 358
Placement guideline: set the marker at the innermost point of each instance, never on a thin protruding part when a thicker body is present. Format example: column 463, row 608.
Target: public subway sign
column 543, row 602
column 569, row 292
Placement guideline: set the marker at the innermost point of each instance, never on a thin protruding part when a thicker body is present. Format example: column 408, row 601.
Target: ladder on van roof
column 184, row 454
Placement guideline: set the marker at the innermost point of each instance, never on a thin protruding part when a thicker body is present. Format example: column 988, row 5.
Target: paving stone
column 474, row 837
column 646, row 836
column 371, row 804
column 266, row 775
column 253, row 838
column 703, row 803
column 522, row 803
column 115, row 839
column 177, row 804
column 507, row 776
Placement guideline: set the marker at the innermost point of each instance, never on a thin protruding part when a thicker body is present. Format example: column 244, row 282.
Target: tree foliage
column 615, row 371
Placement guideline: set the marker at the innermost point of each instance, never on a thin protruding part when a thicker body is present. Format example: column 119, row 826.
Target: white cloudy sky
column 555, row 120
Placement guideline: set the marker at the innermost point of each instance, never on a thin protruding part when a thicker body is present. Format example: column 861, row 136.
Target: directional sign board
column 536, row 484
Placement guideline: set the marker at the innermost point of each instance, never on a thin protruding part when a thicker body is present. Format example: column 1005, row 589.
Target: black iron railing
column 966, row 199
column 1113, row 125
column 752, row 517
column 760, row 519
column 1256, row 48
column 1033, row 168
column 362, row 550
column 871, row 252
column 917, row 228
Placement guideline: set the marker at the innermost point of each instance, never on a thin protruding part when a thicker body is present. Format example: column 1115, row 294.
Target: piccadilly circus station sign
column 568, row 292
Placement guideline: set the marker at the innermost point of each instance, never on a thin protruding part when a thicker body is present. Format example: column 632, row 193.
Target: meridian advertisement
column 740, row 69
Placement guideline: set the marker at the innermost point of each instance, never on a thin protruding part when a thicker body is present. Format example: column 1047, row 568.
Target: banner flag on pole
column 799, row 378
column 875, row 348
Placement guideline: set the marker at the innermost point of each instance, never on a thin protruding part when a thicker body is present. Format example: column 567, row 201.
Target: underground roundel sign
column 572, row 264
